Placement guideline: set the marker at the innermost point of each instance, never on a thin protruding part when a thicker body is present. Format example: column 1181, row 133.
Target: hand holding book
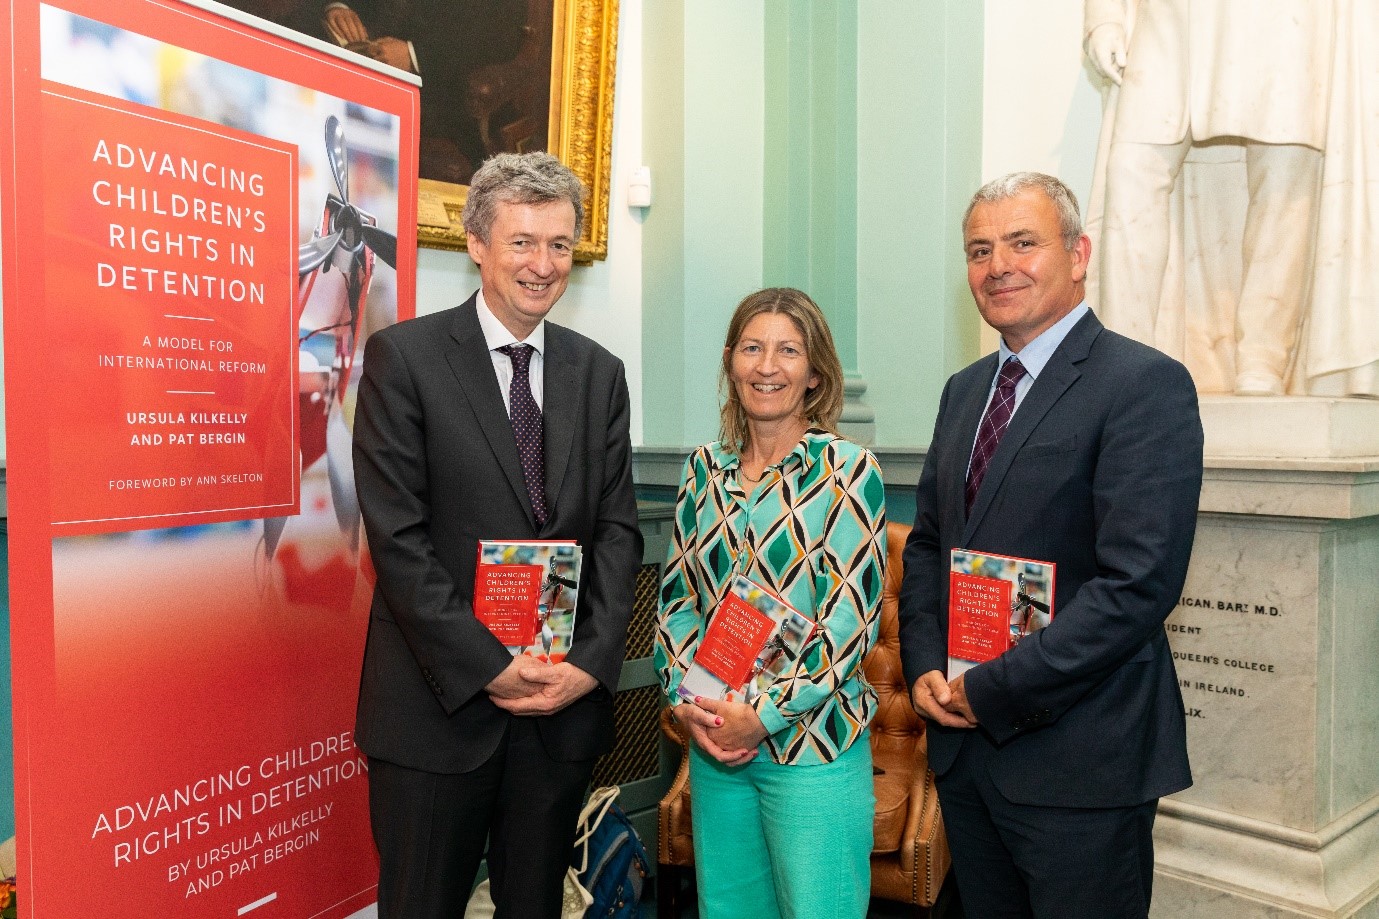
column 512, row 683
column 993, row 602
column 556, row 686
column 957, row 701
column 723, row 730
column 935, row 698
column 740, row 727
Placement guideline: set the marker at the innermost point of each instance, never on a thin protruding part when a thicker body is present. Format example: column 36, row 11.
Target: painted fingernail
column 718, row 721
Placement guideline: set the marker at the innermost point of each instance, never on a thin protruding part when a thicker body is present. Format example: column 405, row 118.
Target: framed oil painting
column 497, row 75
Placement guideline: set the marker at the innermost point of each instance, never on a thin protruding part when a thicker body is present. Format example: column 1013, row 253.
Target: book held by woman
column 751, row 639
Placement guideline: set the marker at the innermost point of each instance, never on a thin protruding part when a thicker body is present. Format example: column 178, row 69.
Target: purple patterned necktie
column 526, row 426
column 993, row 426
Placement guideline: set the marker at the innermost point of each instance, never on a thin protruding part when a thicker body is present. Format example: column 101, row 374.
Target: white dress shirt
column 1034, row 356
column 497, row 336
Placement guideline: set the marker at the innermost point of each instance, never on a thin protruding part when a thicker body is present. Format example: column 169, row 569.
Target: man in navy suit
column 488, row 422
column 1051, row 758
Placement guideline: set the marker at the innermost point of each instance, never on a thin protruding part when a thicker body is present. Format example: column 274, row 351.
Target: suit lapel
column 1058, row 374
column 558, row 412
column 472, row 365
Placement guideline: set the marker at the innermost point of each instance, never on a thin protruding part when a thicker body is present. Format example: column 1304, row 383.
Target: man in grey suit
column 1077, row 446
column 488, row 422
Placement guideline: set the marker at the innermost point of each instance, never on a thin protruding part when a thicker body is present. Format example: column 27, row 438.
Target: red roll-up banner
column 202, row 222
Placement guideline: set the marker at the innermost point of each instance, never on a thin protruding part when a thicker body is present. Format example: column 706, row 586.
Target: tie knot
column 1011, row 372
column 520, row 355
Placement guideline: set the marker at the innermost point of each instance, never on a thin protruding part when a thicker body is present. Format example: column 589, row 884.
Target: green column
column 810, row 230
column 702, row 239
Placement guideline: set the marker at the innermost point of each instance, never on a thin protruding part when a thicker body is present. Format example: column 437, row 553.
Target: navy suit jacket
column 1099, row 472
column 437, row 469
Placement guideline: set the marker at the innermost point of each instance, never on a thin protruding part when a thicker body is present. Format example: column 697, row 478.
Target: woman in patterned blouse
column 782, row 783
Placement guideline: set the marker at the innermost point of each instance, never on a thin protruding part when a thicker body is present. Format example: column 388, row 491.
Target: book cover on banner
column 205, row 221
column 752, row 638
column 993, row 602
column 525, row 593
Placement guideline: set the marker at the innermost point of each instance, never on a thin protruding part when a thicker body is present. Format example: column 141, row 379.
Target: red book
column 730, row 645
column 752, row 638
column 525, row 594
column 993, row 602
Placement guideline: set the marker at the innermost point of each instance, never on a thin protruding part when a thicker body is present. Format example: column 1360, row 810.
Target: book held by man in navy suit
column 525, row 594
column 993, row 602
column 751, row 639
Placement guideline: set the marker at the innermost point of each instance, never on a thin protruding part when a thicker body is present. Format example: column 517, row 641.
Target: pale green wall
column 702, row 240
column 826, row 145
column 919, row 114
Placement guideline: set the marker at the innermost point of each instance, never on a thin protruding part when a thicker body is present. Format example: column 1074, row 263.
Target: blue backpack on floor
column 610, row 858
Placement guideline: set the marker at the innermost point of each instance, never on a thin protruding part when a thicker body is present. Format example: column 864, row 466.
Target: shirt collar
column 805, row 454
column 1037, row 353
column 496, row 335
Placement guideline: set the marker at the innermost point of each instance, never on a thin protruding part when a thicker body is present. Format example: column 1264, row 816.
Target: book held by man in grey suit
column 994, row 601
column 525, row 594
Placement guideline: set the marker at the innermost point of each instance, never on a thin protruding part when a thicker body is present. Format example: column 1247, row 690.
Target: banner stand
column 202, row 217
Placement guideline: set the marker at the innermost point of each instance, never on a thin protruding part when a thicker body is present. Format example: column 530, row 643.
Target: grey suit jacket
column 1099, row 472
column 437, row 469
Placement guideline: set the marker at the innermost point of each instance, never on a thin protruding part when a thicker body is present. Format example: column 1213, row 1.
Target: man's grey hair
column 1008, row 186
column 519, row 178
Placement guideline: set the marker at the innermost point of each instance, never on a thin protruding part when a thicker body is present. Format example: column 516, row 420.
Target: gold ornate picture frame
column 584, row 45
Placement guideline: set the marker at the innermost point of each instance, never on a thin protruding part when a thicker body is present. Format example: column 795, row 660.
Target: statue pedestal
column 1276, row 640
column 1307, row 427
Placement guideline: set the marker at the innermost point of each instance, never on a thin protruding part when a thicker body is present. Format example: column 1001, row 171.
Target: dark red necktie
column 994, row 424
column 526, row 426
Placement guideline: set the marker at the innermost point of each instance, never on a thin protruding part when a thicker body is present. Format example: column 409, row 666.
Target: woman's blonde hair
column 823, row 404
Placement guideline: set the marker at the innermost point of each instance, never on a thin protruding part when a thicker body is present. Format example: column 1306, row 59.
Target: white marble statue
column 1235, row 211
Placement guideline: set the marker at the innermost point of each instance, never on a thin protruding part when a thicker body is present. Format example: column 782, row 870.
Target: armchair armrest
column 924, row 853
column 674, row 837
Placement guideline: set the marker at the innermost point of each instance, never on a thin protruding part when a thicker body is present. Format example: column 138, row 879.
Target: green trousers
column 792, row 842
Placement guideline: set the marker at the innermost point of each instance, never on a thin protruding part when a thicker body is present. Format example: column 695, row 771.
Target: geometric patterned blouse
column 813, row 532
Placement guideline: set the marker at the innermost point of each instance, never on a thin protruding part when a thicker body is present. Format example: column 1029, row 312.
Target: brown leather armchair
column 909, row 858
